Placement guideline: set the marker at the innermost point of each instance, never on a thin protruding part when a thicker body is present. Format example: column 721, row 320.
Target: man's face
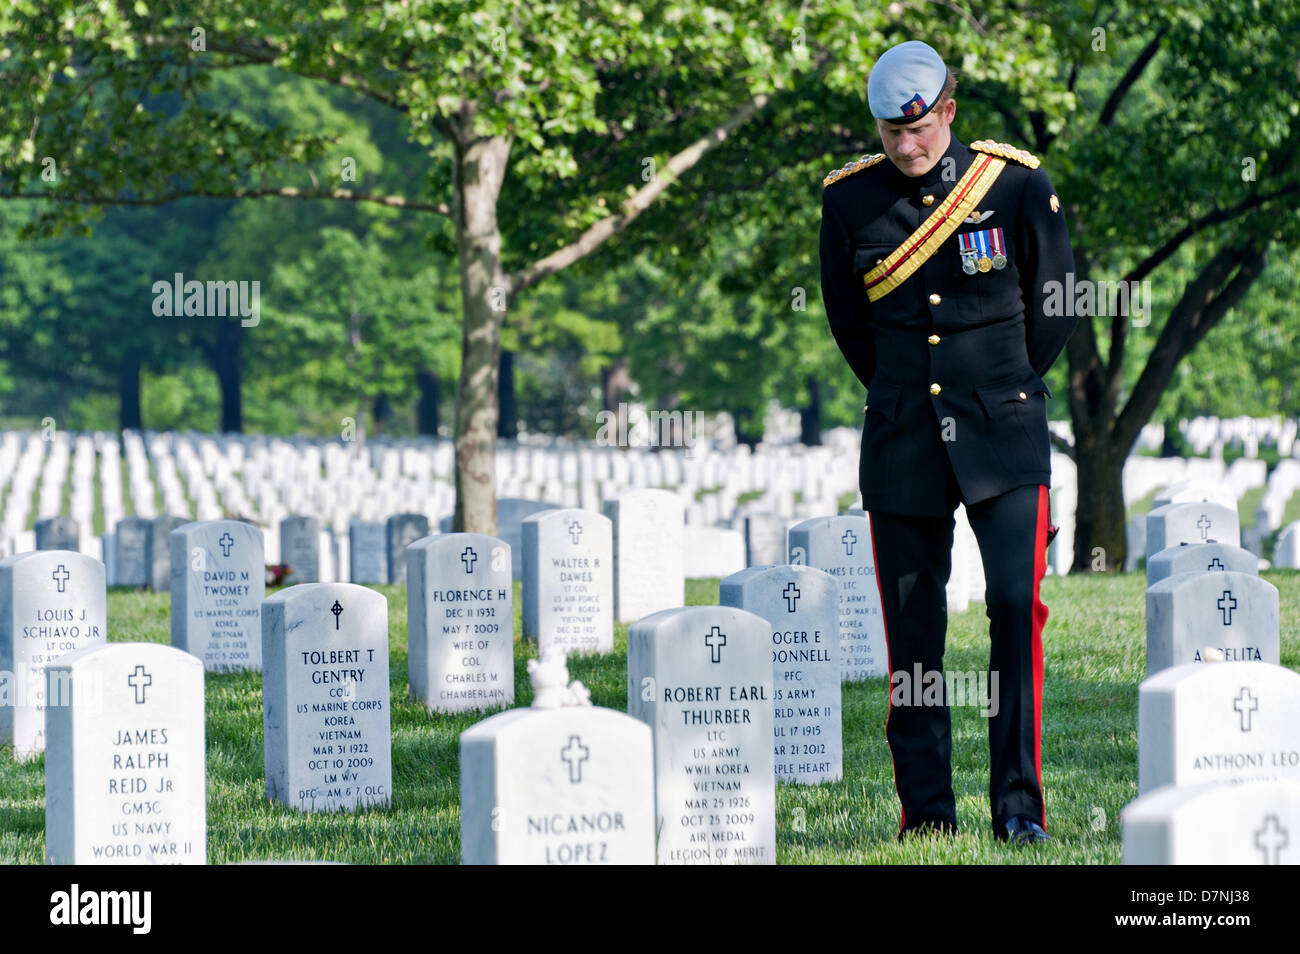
column 916, row 147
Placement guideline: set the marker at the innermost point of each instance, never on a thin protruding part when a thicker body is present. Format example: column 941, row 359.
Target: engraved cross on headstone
column 574, row 754
column 469, row 557
column 140, row 680
column 226, row 542
column 715, row 639
column 60, row 576
column 1216, row 564
column 1227, row 603
column 848, row 540
column 791, row 595
column 337, row 610
column 575, row 531
column 1204, row 523
column 1245, row 704
column 1271, row 839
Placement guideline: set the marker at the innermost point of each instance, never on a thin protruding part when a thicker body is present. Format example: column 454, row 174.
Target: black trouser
column 913, row 561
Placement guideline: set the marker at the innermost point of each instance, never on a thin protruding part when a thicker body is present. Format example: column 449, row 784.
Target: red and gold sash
column 899, row 264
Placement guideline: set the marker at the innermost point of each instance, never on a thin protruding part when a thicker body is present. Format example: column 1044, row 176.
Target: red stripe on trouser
column 1036, row 639
column 884, row 624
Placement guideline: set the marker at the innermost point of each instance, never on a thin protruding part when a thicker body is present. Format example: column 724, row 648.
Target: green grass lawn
column 1094, row 644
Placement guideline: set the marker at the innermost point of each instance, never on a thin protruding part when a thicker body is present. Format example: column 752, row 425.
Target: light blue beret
column 906, row 82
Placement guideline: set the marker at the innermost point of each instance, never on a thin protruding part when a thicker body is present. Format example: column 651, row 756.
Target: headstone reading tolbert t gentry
column 842, row 547
column 218, row 582
column 51, row 604
column 131, row 539
column 460, row 622
column 325, row 698
column 568, row 589
column 368, row 552
column 158, row 555
column 801, row 606
column 1253, row 823
column 125, row 779
column 1233, row 612
column 1224, row 722
column 563, row 782
column 1200, row 558
column 56, row 533
column 401, row 530
column 648, row 573
column 701, row 677
column 300, row 548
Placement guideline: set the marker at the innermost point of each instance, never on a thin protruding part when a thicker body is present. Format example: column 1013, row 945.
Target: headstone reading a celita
column 1200, row 558
column 218, row 582
column 57, row 533
column 1197, row 522
column 460, row 622
column 1226, row 722
column 568, row 589
column 1236, row 613
column 125, row 779
column 52, row 602
column 131, row 538
column 801, row 606
column 401, row 530
column 158, row 553
column 560, row 783
column 1254, row 823
column 368, row 552
column 701, row 677
column 648, row 574
column 325, row 699
column 300, row 549
column 842, row 547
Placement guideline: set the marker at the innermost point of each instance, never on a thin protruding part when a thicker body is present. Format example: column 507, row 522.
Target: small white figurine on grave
column 551, row 686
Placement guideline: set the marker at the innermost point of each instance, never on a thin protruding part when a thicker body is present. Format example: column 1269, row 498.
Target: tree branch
column 284, row 192
column 1131, row 76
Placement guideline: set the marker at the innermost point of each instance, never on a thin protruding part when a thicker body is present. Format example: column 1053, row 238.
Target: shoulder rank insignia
column 866, row 162
column 1006, row 151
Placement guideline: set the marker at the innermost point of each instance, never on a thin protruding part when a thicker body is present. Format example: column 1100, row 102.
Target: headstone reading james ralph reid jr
column 125, row 779
column 218, row 582
column 562, row 782
column 325, row 699
column 460, row 622
column 568, row 586
column 701, row 677
column 51, row 604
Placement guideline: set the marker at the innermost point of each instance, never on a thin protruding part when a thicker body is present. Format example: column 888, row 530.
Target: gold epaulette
column 866, row 162
column 1006, row 151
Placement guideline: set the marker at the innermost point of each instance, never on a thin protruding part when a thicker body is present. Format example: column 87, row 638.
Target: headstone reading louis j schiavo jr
column 568, row 589
column 125, row 779
column 701, row 677
column 52, row 602
column 325, row 697
column 218, row 582
column 562, row 782
column 801, row 606
column 1236, row 613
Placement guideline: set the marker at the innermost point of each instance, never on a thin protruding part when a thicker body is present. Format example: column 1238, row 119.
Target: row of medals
column 970, row 264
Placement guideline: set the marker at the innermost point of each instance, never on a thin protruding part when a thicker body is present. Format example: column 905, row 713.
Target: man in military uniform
column 936, row 258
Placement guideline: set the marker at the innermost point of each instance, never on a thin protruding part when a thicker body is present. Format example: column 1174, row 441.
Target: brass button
column 933, row 339
column 935, row 299
column 935, row 389
column 927, row 200
column 1022, row 395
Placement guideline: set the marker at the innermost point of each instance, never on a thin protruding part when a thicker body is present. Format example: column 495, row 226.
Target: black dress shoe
column 928, row 827
column 1022, row 830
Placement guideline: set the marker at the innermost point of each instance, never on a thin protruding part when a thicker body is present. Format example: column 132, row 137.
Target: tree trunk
column 746, row 433
column 129, row 393
column 426, row 411
column 1100, row 518
column 479, row 168
column 508, row 423
column 226, row 364
column 380, row 411
column 615, row 384
column 810, row 417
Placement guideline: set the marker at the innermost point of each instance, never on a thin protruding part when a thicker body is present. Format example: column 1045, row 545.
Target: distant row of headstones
column 1218, row 716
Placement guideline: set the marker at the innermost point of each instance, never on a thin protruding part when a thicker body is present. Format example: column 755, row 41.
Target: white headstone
column 218, row 582
column 401, row 530
column 1200, row 558
column 300, row 549
column 1236, row 613
column 369, row 552
column 1192, row 522
column 568, row 588
column 648, row 574
column 325, row 697
column 1254, row 823
column 131, row 538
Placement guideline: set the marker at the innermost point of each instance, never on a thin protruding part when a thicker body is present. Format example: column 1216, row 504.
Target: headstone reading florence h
column 57, row 533
column 1234, row 612
column 648, row 530
column 562, row 782
column 325, row 697
column 801, row 606
column 568, row 589
column 460, row 622
column 158, row 552
column 125, row 779
column 1253, row 823
column 52, row 602
column 218, row 582
column 1200, row 558
column 131, row 540
column 368, row 552
column 401, row 530
column 1223, row 722
column 842, row 547
column 300, row 548
column 701, row 677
